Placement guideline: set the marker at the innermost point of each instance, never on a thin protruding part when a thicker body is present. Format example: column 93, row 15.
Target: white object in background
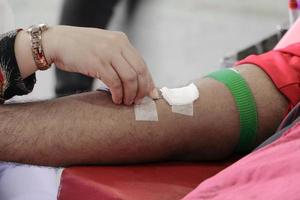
column 26, row 182
column 7, row 22
column 293, row 15
column 291, row 37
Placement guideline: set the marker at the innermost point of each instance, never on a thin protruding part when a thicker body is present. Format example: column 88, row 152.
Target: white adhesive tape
column 181, row 99
column 184, row 109
column 146, row 111
column 180, row 96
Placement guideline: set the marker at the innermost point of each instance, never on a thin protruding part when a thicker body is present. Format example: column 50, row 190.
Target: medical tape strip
column 181, row 99
column 146, row 110
column 184, row 109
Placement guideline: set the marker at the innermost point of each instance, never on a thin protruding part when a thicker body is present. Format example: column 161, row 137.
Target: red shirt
column 283, row 67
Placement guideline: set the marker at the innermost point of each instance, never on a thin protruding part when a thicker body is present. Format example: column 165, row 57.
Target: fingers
column 112, row 80
column 128, row 78
column 110, row 56
column 144, row 79
column 154, row 94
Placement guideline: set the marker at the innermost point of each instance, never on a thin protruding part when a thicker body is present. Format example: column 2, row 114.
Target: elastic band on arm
column 245, row 104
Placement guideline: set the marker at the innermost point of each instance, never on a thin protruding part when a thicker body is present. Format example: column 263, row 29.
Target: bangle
column 245, row 104
column 38, row 54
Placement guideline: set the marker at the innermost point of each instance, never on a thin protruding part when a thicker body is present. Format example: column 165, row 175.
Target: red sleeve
column 283, row 67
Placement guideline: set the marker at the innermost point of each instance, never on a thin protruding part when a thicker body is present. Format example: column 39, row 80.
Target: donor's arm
column 89, row 129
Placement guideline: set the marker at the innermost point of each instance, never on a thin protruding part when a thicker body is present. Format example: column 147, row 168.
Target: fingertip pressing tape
column 180, row 99
column 145, row 111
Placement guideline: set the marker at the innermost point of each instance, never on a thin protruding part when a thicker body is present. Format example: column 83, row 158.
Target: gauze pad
column 180, row 96
column 146, row 111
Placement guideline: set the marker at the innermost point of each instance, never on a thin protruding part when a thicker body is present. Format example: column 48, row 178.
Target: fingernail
column 118, row 102
column 128, row 103
column 154, row 94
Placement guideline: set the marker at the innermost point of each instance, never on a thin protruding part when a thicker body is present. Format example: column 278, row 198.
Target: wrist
column 23, row 55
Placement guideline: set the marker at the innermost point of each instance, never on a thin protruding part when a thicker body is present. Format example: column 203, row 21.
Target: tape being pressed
column 146, row 111
column 184, row 109
column 181, row 100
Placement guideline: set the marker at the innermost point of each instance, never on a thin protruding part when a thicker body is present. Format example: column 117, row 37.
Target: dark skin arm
column 90, row 129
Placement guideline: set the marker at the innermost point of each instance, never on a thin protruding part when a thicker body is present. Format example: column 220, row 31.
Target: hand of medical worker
column 101, row 54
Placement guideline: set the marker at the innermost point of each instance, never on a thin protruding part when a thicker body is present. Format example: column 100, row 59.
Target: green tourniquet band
column 245, row 104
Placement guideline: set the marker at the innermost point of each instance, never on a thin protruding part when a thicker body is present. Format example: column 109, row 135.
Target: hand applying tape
column 146, row 109
column 181, row 100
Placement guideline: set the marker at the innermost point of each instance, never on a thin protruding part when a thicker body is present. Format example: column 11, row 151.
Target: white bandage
column 146, row 111
column 181, row 99
column 180, row 96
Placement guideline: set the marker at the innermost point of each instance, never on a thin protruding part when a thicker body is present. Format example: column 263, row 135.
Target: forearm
column 86, row 128
column 23, row 55
column 89, row 129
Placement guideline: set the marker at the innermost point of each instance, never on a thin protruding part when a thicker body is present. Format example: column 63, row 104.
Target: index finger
column 137, row 62
column 112, row 80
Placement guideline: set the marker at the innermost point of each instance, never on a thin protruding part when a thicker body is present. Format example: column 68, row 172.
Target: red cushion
column 156, row 181
column 270, row 173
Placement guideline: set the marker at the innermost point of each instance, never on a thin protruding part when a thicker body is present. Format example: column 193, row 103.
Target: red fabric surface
column 283, row 67
column 270, row 173
column 146, row 182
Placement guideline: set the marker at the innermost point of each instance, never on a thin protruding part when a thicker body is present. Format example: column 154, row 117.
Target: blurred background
column 180, row 39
